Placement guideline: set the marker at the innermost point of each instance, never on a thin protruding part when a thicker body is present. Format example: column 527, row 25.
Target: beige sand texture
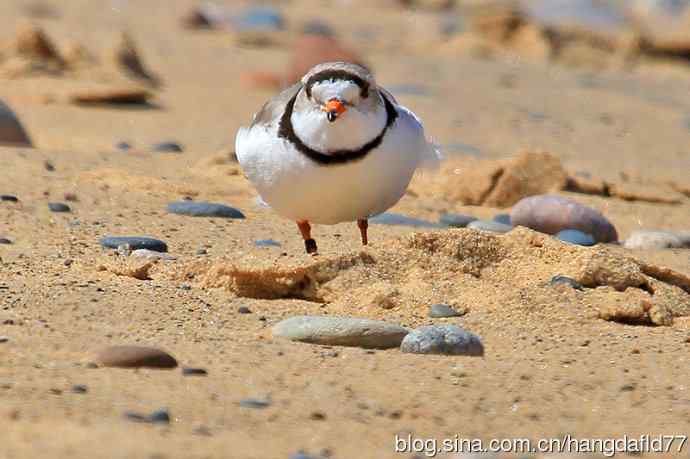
column 606, row 131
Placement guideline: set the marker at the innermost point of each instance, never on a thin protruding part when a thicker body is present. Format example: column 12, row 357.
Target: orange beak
column 334, row 108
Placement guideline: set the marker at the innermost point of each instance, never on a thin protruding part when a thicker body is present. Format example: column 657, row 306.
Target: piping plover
column 333, row 148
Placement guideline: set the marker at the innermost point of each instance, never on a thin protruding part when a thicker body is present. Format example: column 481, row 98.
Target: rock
column 8, row 198
column 550, row 214
column 4, row 339
column 152, row 255
column 135, row 357
column 563, row 280
column 259, row 18
column 575, row 237
column 653, row 240
column 126, row 58
column 254, row 403
column 502, row 218
column 442, row 339
column 203, row 209
column 317, row 27
column 123, row 146
column 187, row 371
column 79, row 389
column 4, row 240
column 244, row 310
column 266, row 243
column 11, row 131
column 389, row 218
column 456, row 220
column 135, row 243
column 442, row 310
column 167, row 147
column 490, row 226
column 111, row 96
column 157, row 417
column 340, row 331
column 58, row 207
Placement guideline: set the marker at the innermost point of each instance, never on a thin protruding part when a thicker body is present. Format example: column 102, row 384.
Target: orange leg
column 363, row 225
column 309, row 243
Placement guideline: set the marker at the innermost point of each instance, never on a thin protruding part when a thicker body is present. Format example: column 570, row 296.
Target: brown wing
column 273, row 109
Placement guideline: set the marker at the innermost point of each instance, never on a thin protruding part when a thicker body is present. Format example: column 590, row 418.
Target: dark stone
column 556, row 280
column 254, row 403
column 50, row 167
column 442, row 339
column 456, row 220
column 266, row 243
column 167, row 147
column 244, row 310
column 80, row 389
column 203, row 209
column 135, row 243
column 316, row 27
column 58, row 207
column 502, row 218
column 157, row 417
column 442, row 310
column 4, row 240
column 8, row 198
column 389, row 218
column 188, row 371
column 576, row 237
column 123, row 146
column 135, row 357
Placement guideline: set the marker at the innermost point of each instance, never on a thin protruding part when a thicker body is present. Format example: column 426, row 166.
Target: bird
column 334, row 147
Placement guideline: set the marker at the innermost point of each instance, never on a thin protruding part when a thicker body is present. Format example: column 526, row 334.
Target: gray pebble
column 651, row 240
column 563, row 280
column 341, row 331
column 255, row 403
column 202, row 252
column 260, row 18
column 576, row 237
column 135, row 243
column 456, row 220
column 550, row 214
column 8, row 198
column 157, row 417
column 266, row 243
column 58, row 207
column 167, row 147
column 490, row 226
column 80, row 389
column 188, row 371
column 502, row 218
column 244, row 310
column 204, row 209
column 389, row 218
column 123, row 146
column 442, row 339
column 4, row 240
column 442, row 310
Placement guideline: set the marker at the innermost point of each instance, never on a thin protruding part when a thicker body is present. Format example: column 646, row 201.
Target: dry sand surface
column 608, row 360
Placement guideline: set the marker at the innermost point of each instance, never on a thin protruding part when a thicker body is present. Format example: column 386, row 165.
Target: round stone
column 266, row 243
column 341, row 331
column 502, row 218
column 167, row 147
column 442, row 339
column 389, row 218
column 550, row 214
column 135, row 357
column 255, row 403
column 456, row 220
column 563, row 280
column 204, row 209
column 58, row 207
column 652, row 240
column 135, row 243
column 8, row 198
column 489, row 226
column 442, row 310
column 4, row 240
column 244, row 310
column 576, row 237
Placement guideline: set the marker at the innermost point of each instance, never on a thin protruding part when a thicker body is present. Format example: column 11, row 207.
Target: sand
column 609, row 360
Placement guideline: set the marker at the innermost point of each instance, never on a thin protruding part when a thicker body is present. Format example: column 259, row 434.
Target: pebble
column 244, row 310
column 123, row 146
column 456, row 220
column 202, row 252
column 135, row 243
column 558, row 280
column 188, row 371
column 576, row 237
column 266, row 243
column 152, row 255
column 167, row 147
column 111, row 96
column 651, row 240
column 80, row 389
column 135, row 357
column 11, row 131
column 4, row 339
column 8, row 198
column 58, row 207
column 502, row 218
column 490, row 226
column 4, row 240
column 261, row 18
column 442, row 339
column 550, row 214
column 255, row 403
column 341, row 331
column 161, row 416
column 389, row 218
column 203, row 209
column 317, row 27
column 442, row 310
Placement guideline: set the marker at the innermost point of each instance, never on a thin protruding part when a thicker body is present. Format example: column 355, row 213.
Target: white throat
column 350, row 131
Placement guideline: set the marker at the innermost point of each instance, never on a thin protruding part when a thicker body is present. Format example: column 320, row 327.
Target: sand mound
column 481, row 271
